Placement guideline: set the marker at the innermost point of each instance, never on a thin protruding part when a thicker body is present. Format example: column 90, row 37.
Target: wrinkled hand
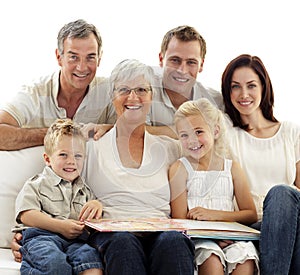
column 95, row 131
column 201, row 214
column 91, row 210
column 15, row 247
column 71, row 229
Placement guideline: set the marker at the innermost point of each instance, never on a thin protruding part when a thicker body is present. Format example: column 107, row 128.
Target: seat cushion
column 8, row 266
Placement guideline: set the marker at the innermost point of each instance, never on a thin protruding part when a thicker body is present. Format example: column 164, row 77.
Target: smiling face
column 78, row 63
column 68, row 157
column 132, row 107
column 246, row 91
column 181, row 62
column 195, row 136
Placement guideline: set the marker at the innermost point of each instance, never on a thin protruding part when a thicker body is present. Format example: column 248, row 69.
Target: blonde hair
column 212, row 116
column 58, row 129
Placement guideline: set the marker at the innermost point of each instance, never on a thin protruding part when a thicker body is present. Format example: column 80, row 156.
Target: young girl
column 203, row 185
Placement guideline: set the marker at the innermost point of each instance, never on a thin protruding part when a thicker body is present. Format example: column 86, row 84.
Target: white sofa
column 15, row 168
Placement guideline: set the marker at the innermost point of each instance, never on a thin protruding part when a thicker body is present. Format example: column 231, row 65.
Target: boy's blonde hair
column 58, row 129
column 213, row 117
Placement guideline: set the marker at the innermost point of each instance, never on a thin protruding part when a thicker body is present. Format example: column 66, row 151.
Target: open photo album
column 192, row 228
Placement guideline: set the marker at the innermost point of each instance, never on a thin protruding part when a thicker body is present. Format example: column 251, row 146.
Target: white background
column 135, row 28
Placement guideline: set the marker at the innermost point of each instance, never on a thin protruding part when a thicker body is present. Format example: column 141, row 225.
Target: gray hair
column 77, row 29
column 129, row 69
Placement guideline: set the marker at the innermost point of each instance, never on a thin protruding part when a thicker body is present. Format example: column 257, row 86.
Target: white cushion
column 15, row 168
column 7, row 264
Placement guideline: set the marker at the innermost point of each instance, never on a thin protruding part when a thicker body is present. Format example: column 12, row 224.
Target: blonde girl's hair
column 58, row 129
column 213, row 117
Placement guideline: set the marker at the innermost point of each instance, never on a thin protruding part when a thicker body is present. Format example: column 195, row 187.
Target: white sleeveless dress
column 214, row 190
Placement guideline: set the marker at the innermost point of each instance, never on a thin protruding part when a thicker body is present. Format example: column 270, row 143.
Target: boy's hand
column 71, row 229
column 91, row 210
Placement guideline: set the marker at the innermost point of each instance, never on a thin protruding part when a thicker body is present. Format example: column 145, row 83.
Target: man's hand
column 95, row 131
column 15, row 247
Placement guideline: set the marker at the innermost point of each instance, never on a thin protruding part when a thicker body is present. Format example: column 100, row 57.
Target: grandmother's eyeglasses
column 139, row 91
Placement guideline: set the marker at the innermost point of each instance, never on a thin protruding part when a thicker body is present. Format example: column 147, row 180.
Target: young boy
column 50, row 204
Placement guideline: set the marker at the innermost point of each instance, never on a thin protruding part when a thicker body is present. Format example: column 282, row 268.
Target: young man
column 73, row 92
column 181, row 57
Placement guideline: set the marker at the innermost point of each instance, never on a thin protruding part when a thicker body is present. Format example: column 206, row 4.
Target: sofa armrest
column 15, row 168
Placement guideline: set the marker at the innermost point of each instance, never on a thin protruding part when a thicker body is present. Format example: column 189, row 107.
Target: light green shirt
column 50, row 194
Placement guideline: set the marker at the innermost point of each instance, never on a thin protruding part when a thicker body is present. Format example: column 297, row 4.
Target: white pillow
column 15, row 168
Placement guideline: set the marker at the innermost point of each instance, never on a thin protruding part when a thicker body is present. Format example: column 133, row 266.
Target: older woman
column 269, row 152
column 127, row 170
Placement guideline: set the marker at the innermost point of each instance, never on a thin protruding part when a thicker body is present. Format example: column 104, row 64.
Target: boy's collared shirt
column 50, row 194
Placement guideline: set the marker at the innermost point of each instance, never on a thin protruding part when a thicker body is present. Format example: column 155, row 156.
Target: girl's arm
column 246, row 213
column 177, row 179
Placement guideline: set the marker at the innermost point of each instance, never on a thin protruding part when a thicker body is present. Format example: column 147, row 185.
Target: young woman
column 269, row 152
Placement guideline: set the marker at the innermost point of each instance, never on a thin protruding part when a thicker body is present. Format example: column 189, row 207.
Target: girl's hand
column 224, row 243
column 202, row 214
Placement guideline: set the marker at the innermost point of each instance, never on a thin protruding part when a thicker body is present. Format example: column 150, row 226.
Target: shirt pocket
column 54, row 203
column 79, row 201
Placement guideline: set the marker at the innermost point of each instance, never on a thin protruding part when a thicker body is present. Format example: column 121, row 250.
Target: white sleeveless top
column 210, row 189
column 143, row 192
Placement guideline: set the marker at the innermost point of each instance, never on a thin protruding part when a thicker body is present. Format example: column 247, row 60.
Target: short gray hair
column 77, row 29
column 129, row 69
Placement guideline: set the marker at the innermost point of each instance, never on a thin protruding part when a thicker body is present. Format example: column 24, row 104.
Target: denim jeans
column 47, row 253
column 158, row 253
column 280, row 232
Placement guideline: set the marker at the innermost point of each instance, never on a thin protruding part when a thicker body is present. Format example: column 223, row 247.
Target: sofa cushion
column 15, row 168
column 7, row 264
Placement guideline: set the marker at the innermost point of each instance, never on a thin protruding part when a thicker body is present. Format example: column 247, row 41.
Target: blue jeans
column 47, row 253
column 158, row 253
column 280, row 232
